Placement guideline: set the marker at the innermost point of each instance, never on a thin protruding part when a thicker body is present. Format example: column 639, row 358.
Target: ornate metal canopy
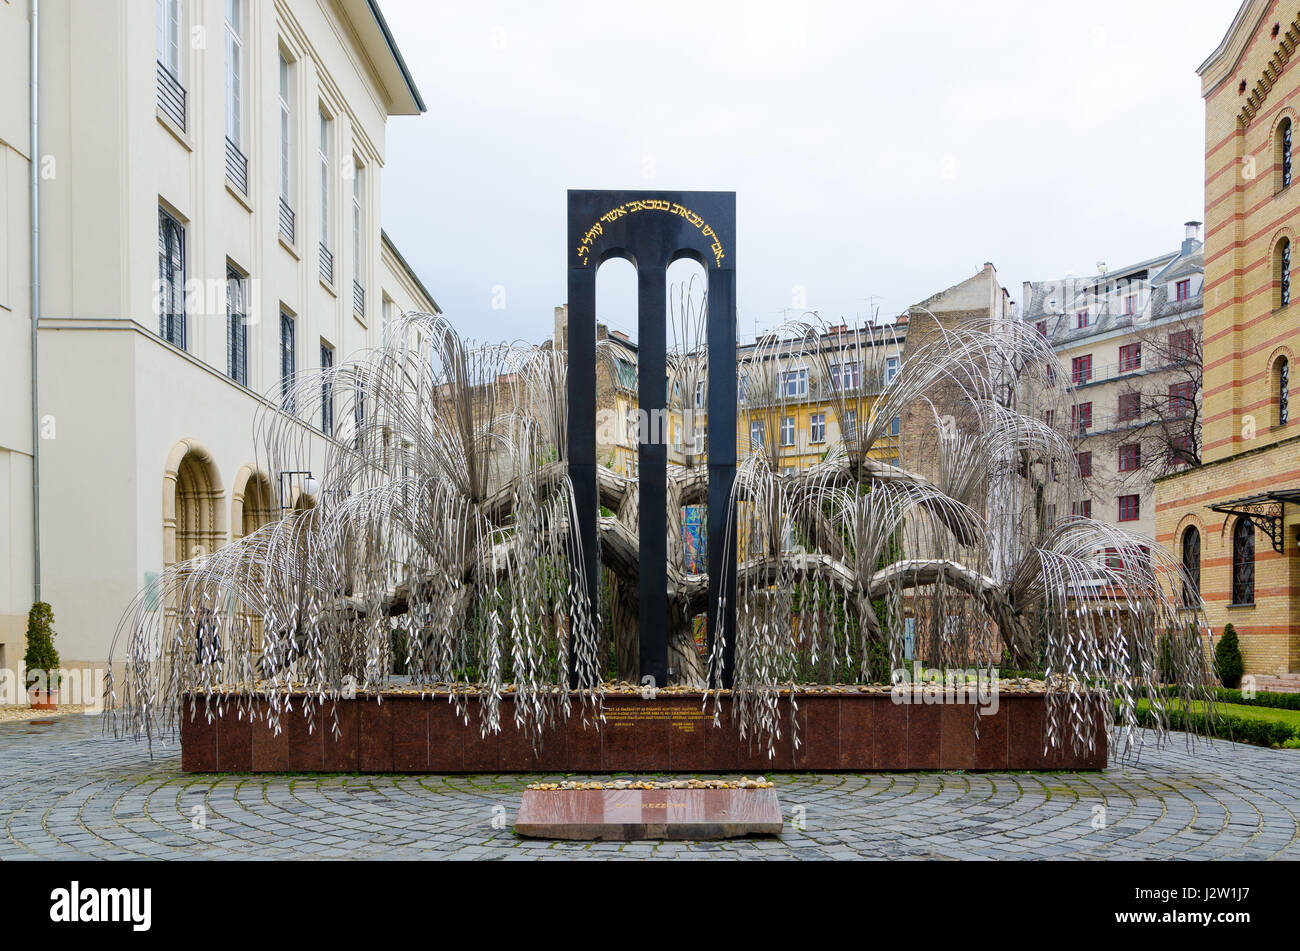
column 1266, row 510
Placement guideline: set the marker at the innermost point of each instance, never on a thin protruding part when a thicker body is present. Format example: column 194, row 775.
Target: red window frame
column 1183, row 289
column 1130, row 457
column 1129, row 508
column 1182, row 399
column 1081, row 368
column 1081, row 417
column 1130, row 405
column 1130, row 357
column 1084, row 461
column 1081, row 319
column 1180, row 345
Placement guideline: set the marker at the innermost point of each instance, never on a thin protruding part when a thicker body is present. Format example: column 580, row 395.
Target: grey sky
column 879, row 151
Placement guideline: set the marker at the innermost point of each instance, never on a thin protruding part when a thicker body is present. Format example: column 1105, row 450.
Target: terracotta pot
column 43, row 699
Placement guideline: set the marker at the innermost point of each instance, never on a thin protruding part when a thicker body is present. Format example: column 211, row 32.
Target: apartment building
column 208, row 191
column 1130, row 340
column 1235, row 519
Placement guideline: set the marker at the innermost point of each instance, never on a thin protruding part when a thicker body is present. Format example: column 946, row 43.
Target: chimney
column 1191, row 237
column 562, row 327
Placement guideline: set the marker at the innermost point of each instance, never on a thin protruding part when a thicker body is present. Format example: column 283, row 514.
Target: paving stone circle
column 69, row 792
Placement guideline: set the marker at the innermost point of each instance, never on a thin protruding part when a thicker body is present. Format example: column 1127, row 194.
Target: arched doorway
column 194, row 516
column 251, row 502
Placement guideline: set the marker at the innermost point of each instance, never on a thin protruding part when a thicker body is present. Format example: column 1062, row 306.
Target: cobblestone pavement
column 68, row 792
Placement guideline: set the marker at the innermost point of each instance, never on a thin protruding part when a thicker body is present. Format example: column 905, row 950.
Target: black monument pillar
column 652, row 229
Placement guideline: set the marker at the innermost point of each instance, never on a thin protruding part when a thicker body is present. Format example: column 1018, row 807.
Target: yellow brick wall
column 1246, row 214
column 1245, row 451
column 1270, row 630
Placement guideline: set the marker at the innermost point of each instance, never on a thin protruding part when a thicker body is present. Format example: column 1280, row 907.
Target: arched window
column 1282, row 379
column 1283, row 157
column 1191, row 565
column 1282, row 273
column 1243, row 562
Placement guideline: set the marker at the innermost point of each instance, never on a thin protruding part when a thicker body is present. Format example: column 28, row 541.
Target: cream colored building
column 1117, row 334
column 209, row 188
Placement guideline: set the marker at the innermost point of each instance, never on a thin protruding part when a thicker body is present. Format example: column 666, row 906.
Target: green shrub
column 41, row 655
column 1227, row 658
column 1165, row 660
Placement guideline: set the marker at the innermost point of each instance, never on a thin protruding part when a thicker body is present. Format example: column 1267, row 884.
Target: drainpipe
column 36, row 295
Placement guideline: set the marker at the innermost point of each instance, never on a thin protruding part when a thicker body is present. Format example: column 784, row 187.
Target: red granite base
column 625, row 815
column 671, row 734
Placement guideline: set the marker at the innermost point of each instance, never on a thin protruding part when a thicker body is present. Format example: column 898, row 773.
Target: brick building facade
column 1235, row 519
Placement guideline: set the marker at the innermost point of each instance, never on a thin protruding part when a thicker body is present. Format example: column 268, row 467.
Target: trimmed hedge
column 1279, row 701
column 1228, row 727
column 1262, row 698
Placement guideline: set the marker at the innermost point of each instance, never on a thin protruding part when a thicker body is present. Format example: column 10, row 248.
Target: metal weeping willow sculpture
column 439, row 535
column 441, row 539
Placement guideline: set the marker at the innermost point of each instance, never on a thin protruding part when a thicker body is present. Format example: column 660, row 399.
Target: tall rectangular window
column 1183, row 290
column 1081, row 369
column 1182, row 399
column 1182, row 346
column 787, row 431
column 817, row 428
column 756, row 434
column 288, row 359
column 1128, row 508
column 235, row 72
column 1130, row 457
column 849, row 425
column 1130, row 357
column 171, row 279
column 236, row 326
column 326, row 390
column 1129, row 406
column 323, row 152
column 169, row 35
column 1081, row 319
column 358, row 244
column 1081, row 418
column 1084, row 462
column 286, row 148
column 891, row 369
column 1130, row 305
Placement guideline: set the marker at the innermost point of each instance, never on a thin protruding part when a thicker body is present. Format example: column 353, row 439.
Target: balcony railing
column 236, row 167
column 326, row 265
column 358, row 298
column 171, row 96
column 286, row 221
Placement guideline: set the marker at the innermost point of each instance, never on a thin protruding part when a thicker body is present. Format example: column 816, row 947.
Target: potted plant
column 42, row 659
column 1227, row 658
